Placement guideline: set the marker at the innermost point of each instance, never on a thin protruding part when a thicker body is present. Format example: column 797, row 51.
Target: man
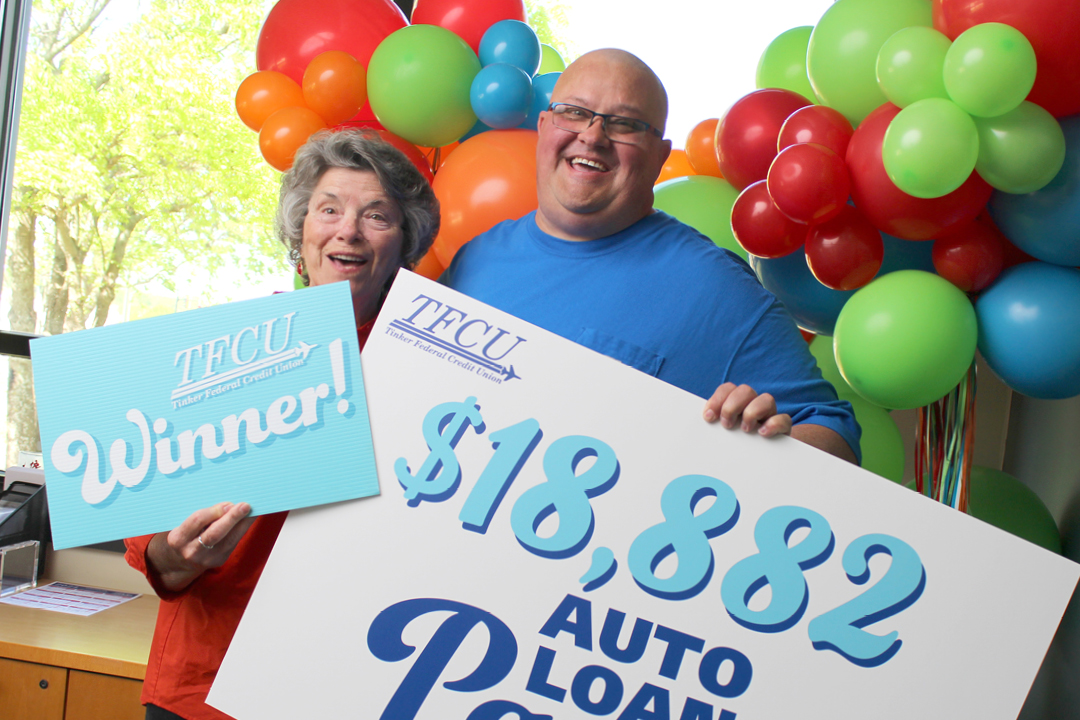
column 597, row 265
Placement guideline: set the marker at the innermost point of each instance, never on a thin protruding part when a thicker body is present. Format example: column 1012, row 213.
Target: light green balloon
column 704, row 203
column 909, row 65
column 906, row 339
column 783, row 64
column 989, row 69
column 418, row 84
column 550, row 60
column 881, row 442
column 1006, row 503
column 821, row 347
column 842, row 56
column 930, row 148
column 1021, row 151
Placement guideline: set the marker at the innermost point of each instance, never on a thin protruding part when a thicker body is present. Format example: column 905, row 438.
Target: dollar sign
column 438, row 477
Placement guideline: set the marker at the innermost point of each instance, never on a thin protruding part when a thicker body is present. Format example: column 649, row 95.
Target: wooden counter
column 56, row 666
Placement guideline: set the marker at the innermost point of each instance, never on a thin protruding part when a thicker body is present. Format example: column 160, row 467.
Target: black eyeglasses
column 617, row 127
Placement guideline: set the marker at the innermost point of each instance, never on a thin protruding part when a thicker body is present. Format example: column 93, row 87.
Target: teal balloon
column 910, row 63
column 841, row 58
column 906, row 339
column 783, row 64
column 989, row 69
column 704, row 203
column 418, row 84
column 930, row 148
column 1021, row 151
column 1003, row 501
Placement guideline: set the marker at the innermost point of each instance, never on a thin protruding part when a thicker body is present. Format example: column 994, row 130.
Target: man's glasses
column 617, row 128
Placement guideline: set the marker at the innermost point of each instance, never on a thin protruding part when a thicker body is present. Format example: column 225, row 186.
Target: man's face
column 588, row 186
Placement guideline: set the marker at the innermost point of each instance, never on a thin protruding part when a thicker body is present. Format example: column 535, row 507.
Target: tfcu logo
column 451, row 334
column 224, row 363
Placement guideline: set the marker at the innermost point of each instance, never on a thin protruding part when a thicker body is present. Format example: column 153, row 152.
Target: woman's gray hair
column 358, row 150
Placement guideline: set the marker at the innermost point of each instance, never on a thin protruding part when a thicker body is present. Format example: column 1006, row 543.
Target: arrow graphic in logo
column 300, row 351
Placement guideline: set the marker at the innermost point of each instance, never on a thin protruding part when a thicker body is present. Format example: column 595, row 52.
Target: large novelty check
column 560, row 536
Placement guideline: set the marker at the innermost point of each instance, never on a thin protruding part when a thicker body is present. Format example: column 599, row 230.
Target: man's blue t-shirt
column 659, row 297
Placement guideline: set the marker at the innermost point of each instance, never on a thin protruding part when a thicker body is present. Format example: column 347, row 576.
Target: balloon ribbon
column 945, row 443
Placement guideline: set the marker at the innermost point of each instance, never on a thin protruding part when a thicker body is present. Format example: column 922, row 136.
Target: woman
column 351, row 208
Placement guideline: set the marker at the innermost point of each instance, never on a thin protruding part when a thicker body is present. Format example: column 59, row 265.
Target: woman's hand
column 204, row 541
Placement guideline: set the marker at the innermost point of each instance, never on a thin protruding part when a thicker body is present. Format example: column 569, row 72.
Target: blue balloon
column 1046, row 224
column 1029, row 329
column 906, row 255
column 814, row 306
column 475, row 130
column 512, row 42
column 543, row 86
column 501, row 96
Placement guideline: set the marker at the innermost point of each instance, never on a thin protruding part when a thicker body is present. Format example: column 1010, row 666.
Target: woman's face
column 352, row 232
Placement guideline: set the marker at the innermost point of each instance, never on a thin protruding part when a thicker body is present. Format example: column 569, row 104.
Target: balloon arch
column 906, row 179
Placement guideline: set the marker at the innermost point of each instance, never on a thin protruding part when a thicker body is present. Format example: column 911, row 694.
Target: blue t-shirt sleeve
column 773, row 357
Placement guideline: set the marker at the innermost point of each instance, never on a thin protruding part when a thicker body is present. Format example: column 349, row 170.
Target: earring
column 300, row 268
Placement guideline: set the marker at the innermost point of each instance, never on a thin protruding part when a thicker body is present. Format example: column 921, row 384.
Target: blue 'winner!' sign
column 260, row 401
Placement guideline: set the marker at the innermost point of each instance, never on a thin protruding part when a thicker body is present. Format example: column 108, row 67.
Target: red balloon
column 809, row 183
column 816, row 124
column 890, row 209
column 415, row 155
column 970, row 257
column 1051, row 26
column 411, row 151
column 746, row 135
column 296, row 31
column 761, row 228
column 845, row 253
column 469, row 19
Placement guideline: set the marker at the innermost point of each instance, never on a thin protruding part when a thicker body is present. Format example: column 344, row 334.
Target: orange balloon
column 677, row 165
column 284, row 132
column 489, row 178
column 429, row 266
column 262, row 94
column 335, row 86
column 701, row 148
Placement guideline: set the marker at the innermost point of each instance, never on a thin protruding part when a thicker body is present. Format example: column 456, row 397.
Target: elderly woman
column 351, row 208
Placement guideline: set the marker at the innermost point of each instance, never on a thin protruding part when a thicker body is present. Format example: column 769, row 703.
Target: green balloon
column 930, row 148
column 989, row 69
column 1003, row 501
column 881, row 441
column 783, row 64
column 418, row 84
column 821, row 347
column 909, row 65
column 550, row 60
column 704, row 203
column 1021, row 151
column 906, row 339
column 842, row 56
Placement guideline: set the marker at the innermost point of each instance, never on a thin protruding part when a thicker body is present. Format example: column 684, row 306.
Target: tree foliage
column 550, row 20
column 131, row 162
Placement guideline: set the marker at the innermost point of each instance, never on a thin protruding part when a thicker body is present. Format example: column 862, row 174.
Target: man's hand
column 740, row 405
column 204, row 541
